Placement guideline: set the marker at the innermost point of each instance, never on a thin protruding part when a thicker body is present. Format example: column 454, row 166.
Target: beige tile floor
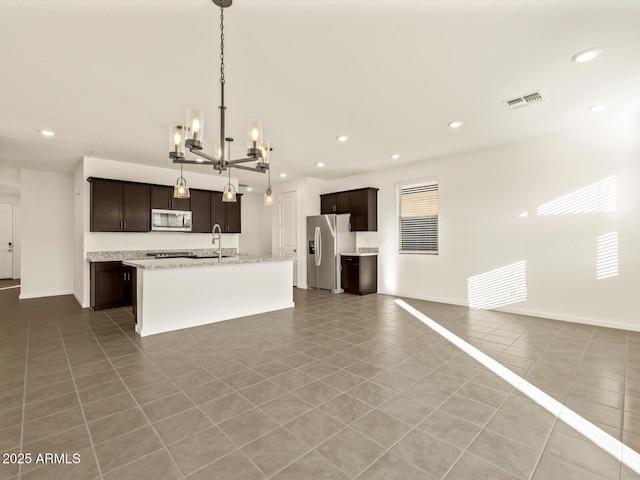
column 340, row 387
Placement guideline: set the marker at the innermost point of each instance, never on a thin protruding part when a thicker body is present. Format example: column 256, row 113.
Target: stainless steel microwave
column 170, row 220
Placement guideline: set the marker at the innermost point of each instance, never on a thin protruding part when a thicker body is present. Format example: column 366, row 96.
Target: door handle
column 319, row 248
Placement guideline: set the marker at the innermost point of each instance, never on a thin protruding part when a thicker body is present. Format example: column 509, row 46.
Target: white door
column 6, row 240
column 289, row 229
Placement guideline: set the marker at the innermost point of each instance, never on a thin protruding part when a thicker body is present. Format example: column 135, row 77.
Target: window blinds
column 418, row 218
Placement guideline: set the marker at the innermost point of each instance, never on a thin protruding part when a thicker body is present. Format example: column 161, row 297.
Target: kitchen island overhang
column 178, row 293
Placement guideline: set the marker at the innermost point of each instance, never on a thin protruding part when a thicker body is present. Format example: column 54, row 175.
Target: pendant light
column 229, row 194
column 268, row 197
column 180, row 190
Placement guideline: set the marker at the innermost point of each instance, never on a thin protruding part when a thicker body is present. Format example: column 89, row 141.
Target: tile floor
column 9, row 282
column 340, row 387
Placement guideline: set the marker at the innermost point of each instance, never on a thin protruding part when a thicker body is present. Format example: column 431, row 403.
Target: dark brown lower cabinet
column 112, row 285
column 360, row 274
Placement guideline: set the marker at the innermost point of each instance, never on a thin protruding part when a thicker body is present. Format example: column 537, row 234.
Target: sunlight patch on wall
column 607, row 256
column 502, row 286
column 597, row 197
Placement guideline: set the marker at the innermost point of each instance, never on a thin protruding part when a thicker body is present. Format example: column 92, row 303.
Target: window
column 418, row 218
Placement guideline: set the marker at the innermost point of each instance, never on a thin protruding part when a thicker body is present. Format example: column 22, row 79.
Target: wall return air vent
column 525, row 100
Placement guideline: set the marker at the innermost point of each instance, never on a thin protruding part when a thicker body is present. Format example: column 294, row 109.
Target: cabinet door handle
column 124, row 225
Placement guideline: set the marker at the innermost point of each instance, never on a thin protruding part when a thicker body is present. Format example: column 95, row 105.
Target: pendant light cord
column 222, row 45
column 222, row 81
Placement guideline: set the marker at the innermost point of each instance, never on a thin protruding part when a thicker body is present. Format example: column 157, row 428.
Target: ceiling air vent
column 525, row 100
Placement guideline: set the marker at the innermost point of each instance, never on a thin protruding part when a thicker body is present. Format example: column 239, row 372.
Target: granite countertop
column 165, row 263
column 122, row 255
column 358, row 254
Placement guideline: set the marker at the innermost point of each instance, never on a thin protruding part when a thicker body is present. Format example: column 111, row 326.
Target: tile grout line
column 466, row 450
column 75, row 386
column 195, row 405
column 24, row 391
column 321, row 333
column 258, row 407
column 135, row 400
column 557, row 419
column 624, row 401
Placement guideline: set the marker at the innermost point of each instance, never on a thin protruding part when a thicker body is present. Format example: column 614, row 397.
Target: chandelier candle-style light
column 191, row 135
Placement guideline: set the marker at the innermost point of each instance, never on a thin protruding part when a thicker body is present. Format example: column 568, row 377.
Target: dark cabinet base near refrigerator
column 360, row 274
column 112, row 285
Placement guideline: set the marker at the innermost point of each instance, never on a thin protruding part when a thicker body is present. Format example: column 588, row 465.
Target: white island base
column 171, row 297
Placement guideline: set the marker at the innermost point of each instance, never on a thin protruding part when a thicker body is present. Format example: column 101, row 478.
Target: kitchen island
column 176, row 293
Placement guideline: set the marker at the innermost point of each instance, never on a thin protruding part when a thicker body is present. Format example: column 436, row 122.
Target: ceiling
column 110, row 76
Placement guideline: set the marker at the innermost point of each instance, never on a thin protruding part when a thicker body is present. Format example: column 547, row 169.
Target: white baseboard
column 531, row 313
column 79, row 300
column 43, row 294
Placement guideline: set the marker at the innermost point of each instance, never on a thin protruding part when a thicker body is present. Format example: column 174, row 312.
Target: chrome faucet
column 217, row 228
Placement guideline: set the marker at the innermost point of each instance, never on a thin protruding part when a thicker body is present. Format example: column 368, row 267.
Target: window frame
column 414, row 184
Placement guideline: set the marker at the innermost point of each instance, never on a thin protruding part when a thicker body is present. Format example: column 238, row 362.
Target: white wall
column 118, row 241
column 14, row 200
column 47, row 233
column 79, row 198
column 481, row 195
column 9, row 180
column 265, row 244
column 255, row 238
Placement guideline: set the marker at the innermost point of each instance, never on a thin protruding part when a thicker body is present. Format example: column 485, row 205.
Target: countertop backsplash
column 116, row 255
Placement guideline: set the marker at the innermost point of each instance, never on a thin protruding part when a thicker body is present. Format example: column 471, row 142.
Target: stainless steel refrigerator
column 327, row 237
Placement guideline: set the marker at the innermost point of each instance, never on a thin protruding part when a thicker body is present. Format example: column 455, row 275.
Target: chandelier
column 191, row 137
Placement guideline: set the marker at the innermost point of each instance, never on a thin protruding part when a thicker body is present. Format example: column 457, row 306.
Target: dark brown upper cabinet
column 337, row 203
column 226, row 214
column 364, row 210
column 362, row 204
column 201, row 211
column 328, row 203
column 135, row 207
column 162, row 198
column 119, row 206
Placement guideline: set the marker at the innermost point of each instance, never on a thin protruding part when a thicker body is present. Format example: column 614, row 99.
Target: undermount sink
column 214, row 256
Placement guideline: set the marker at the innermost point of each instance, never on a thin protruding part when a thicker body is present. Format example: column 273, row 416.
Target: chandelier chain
column 222, row 43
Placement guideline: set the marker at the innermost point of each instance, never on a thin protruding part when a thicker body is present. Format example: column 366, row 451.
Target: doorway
column 288, row 244
column 6, row 241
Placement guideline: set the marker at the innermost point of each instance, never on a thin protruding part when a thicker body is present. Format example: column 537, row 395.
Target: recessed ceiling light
column 249, row 188
column 320, row 164
column 456, row 124
column 283, row 174
column 586, row 55
column 598, row 108
column 395, row 156
column 47, row 133
column 343, row 138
